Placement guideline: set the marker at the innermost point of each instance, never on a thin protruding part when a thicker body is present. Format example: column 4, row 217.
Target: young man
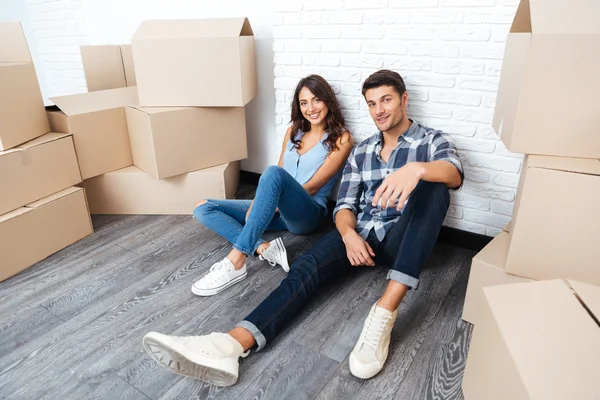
column 392, row 201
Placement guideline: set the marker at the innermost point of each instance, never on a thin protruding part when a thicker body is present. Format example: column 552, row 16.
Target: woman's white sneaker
column 221, row 276
column 276, row 254
column 371, row 350
column 212, row 358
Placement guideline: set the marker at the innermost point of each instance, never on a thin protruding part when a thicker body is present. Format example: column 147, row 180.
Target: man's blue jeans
column 298, row 212
column 404, row 250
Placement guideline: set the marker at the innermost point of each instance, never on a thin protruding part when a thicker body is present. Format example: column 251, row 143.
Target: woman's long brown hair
column 334, row 122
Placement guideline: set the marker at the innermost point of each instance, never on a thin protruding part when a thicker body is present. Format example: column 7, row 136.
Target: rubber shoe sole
column 212, row 292
column 171, row 355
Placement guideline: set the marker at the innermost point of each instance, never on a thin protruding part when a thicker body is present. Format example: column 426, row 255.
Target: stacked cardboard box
column 536, row 340
column 182, row 140
column 40, row 210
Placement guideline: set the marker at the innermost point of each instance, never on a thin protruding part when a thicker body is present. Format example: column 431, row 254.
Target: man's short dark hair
column 384, row 77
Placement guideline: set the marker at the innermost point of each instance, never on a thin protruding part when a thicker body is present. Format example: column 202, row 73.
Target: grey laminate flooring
column 71, row 326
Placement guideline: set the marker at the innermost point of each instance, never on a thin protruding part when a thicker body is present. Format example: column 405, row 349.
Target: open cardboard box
column 107, row 66
column 195, row 62
column 547, row 99
column 99, row 127
column 22, row 114
column 536, row 341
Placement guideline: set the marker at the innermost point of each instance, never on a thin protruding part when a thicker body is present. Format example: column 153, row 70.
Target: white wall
column 115, row 21
column 450, row 54
column 18, row 11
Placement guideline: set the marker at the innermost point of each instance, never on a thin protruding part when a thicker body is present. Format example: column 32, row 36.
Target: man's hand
column 400, row 183
column 358, row 250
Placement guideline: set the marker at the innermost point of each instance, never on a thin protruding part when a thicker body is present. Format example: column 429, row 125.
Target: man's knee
column 432, row 191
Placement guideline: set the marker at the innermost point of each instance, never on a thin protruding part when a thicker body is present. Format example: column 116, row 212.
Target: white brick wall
column 450, row 54
column 59, row 28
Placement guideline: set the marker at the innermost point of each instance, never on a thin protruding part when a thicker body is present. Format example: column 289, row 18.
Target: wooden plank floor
column 71, row 326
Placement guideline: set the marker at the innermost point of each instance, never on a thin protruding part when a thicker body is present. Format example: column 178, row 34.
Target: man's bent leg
column 325, row 262
column 405, row 248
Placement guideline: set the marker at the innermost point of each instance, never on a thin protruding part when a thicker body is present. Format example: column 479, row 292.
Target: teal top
column 303, row 167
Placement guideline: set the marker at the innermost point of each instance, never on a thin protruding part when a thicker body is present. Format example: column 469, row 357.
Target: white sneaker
column 221, row 275
column 212, row 358
column 276, row 254
column 371, row 350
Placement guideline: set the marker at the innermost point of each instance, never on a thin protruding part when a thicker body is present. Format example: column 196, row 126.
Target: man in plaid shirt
column 393, row 199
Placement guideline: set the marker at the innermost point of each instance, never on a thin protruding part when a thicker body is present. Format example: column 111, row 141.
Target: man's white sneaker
column 371, row 350
column 221, row 275
column 276, row 254
column 212, row 358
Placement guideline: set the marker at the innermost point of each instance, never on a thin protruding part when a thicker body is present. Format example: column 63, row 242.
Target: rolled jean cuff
column 400, row 277
column 247, row 252
column 261, row 341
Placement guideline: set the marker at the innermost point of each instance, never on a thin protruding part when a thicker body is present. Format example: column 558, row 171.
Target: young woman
column 290, row 196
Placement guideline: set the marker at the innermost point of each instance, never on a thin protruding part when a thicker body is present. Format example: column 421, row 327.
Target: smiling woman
column 290, row 196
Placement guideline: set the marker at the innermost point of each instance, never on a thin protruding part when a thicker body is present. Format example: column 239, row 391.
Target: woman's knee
column 201, row 210
column 273, row 173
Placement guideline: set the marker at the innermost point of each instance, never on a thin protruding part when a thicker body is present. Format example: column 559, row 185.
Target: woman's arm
column 334, row 161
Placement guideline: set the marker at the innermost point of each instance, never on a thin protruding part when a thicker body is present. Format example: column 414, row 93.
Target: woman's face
column 312, row 108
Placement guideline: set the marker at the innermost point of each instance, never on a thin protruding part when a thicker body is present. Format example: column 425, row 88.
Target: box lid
column 13, row 46
column 496, row 251
column 548, row 330
column 47, row 138
column 96, row 101
column 193, row 28
column 589, row 166
column 589, row 296
column 156, row 110
column 557, row 17
column 54, row 197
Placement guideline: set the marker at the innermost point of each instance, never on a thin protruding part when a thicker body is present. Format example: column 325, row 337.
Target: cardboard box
column 167, row 142
column 107, row 66
column 99, row 127
column 22, row 115
column 132, row 191
column 555, row 231
column 203, row 62
column 37, row 169
column 32, row 233
column 538, row 340
column 487, row 269
column 537, row 110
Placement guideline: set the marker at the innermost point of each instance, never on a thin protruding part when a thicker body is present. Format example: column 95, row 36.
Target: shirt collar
column 408, row 136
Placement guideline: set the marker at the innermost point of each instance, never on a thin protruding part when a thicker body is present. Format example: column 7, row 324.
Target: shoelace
column 374, row 330
column 271, row 263
column 218, row 266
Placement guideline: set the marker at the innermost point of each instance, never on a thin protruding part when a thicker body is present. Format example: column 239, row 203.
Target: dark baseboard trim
column 464, row 239
column 249, row 177
column 452, row 236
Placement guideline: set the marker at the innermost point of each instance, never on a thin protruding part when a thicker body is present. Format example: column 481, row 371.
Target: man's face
column 386, row 107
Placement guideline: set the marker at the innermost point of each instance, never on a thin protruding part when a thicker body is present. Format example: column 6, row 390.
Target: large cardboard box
column 536, row 341
column 167, row 142
column 107, row 66
column 555, row 232
column 22, row 115
column 99, row 127
column 538, row 109
column 32, row 233
column 37, row 169
column 487, row 269
column 132, row 191
column 203, row 62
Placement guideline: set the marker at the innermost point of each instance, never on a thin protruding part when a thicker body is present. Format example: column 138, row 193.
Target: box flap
column 193, row 28
column 96, row 101
column 156, row 110
column 495, row 252
column 589, row 295
column 13, row 46
column 564, row 17
column 54, row 197
column 568, row 164
column 15, row 213
column 47, row 138
column 522, row 20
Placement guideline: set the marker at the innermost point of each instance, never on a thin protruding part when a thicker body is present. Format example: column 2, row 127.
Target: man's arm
column 358, row 250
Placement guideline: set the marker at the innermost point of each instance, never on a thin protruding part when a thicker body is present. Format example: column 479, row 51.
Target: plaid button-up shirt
column 365, row 170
